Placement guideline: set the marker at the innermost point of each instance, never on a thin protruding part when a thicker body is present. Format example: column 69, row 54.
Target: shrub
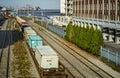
column 85, row 38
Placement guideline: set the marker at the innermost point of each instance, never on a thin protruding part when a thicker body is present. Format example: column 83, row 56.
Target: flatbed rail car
column 23, row 24
column 28, row 33
column 48, row 62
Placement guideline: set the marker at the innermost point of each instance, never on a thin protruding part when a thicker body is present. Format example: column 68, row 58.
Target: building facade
column 98, row 9
column 66, row 7
column 69, row 6
column 100, row 14
column 62, row 6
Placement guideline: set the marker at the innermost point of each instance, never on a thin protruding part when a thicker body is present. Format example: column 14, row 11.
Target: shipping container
column 28, row 33
column 26, row 28
column 46, row 57
column 21, row 21
column 34, row 40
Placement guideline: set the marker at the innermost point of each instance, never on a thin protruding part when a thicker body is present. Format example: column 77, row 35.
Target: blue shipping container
column 34, row 40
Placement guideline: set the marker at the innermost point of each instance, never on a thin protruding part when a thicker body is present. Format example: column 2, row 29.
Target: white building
column 3, row 9
column 62, row 6
column 66, row 7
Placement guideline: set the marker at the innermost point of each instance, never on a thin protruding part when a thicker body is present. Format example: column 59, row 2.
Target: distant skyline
column 43, row 4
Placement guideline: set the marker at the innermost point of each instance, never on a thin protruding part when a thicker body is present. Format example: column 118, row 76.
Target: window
column 118, row 5
column 105, row 6
column 113, row 7
column 118, row 18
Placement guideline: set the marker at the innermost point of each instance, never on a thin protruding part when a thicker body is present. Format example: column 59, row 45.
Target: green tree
column 85, row 38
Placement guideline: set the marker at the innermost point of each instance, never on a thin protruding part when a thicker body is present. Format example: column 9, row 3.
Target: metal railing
column 101, row 22
column 110, row 56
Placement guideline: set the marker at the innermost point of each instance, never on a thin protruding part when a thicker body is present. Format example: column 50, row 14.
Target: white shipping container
column 27, row 28
column 29, row 32
column 20, row 20
column 46, row 57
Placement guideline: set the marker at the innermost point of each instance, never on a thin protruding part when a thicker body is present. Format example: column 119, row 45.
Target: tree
column 85, row 38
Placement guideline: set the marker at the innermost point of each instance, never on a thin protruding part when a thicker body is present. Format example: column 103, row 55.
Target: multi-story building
column 69, row 7
column 103, row 14
column 62, row 6
column 66, row 7
column 98, row 9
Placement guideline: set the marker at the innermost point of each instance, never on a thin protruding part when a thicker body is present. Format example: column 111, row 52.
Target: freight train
column 44, row 56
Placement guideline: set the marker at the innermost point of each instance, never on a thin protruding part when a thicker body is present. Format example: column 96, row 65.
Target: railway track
column 6, row 40
column 82, row 59
column 85, row 64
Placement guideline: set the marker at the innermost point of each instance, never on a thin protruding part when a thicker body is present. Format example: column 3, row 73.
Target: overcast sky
column 44, row 4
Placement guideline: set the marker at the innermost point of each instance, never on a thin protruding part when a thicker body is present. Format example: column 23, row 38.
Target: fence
column 60, row 32
column 110, row 56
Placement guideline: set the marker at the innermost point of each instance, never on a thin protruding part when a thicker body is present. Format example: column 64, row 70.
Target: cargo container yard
column 45, row 58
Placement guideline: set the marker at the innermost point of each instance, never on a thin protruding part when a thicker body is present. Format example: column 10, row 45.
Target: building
column 99, row 9
column 69, row 7
column 103, row 14
column 66, row 7
column 62, row 6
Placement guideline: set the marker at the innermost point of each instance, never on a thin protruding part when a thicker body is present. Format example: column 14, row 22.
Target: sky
column 43, row 4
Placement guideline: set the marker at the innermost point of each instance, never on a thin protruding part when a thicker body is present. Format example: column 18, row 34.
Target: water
column 39, row 13
column 43, row 17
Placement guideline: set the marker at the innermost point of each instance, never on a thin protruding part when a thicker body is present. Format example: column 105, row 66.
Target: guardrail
column 60, row 32
column 110, row 56
column 103, row 23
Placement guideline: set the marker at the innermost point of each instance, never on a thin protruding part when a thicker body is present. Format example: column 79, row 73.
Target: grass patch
column 21, row 65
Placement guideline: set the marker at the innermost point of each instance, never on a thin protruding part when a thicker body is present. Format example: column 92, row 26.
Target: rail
column 77, row 56
column 5, row 52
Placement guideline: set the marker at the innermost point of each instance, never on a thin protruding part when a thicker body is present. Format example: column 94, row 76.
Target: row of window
column 95, row 7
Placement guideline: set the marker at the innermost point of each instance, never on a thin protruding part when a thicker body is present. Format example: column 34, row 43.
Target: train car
column 34, row 40
column 22, row 23
column 48, row 62
column 26, row 28
column 7, row 14
column 28, row 33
